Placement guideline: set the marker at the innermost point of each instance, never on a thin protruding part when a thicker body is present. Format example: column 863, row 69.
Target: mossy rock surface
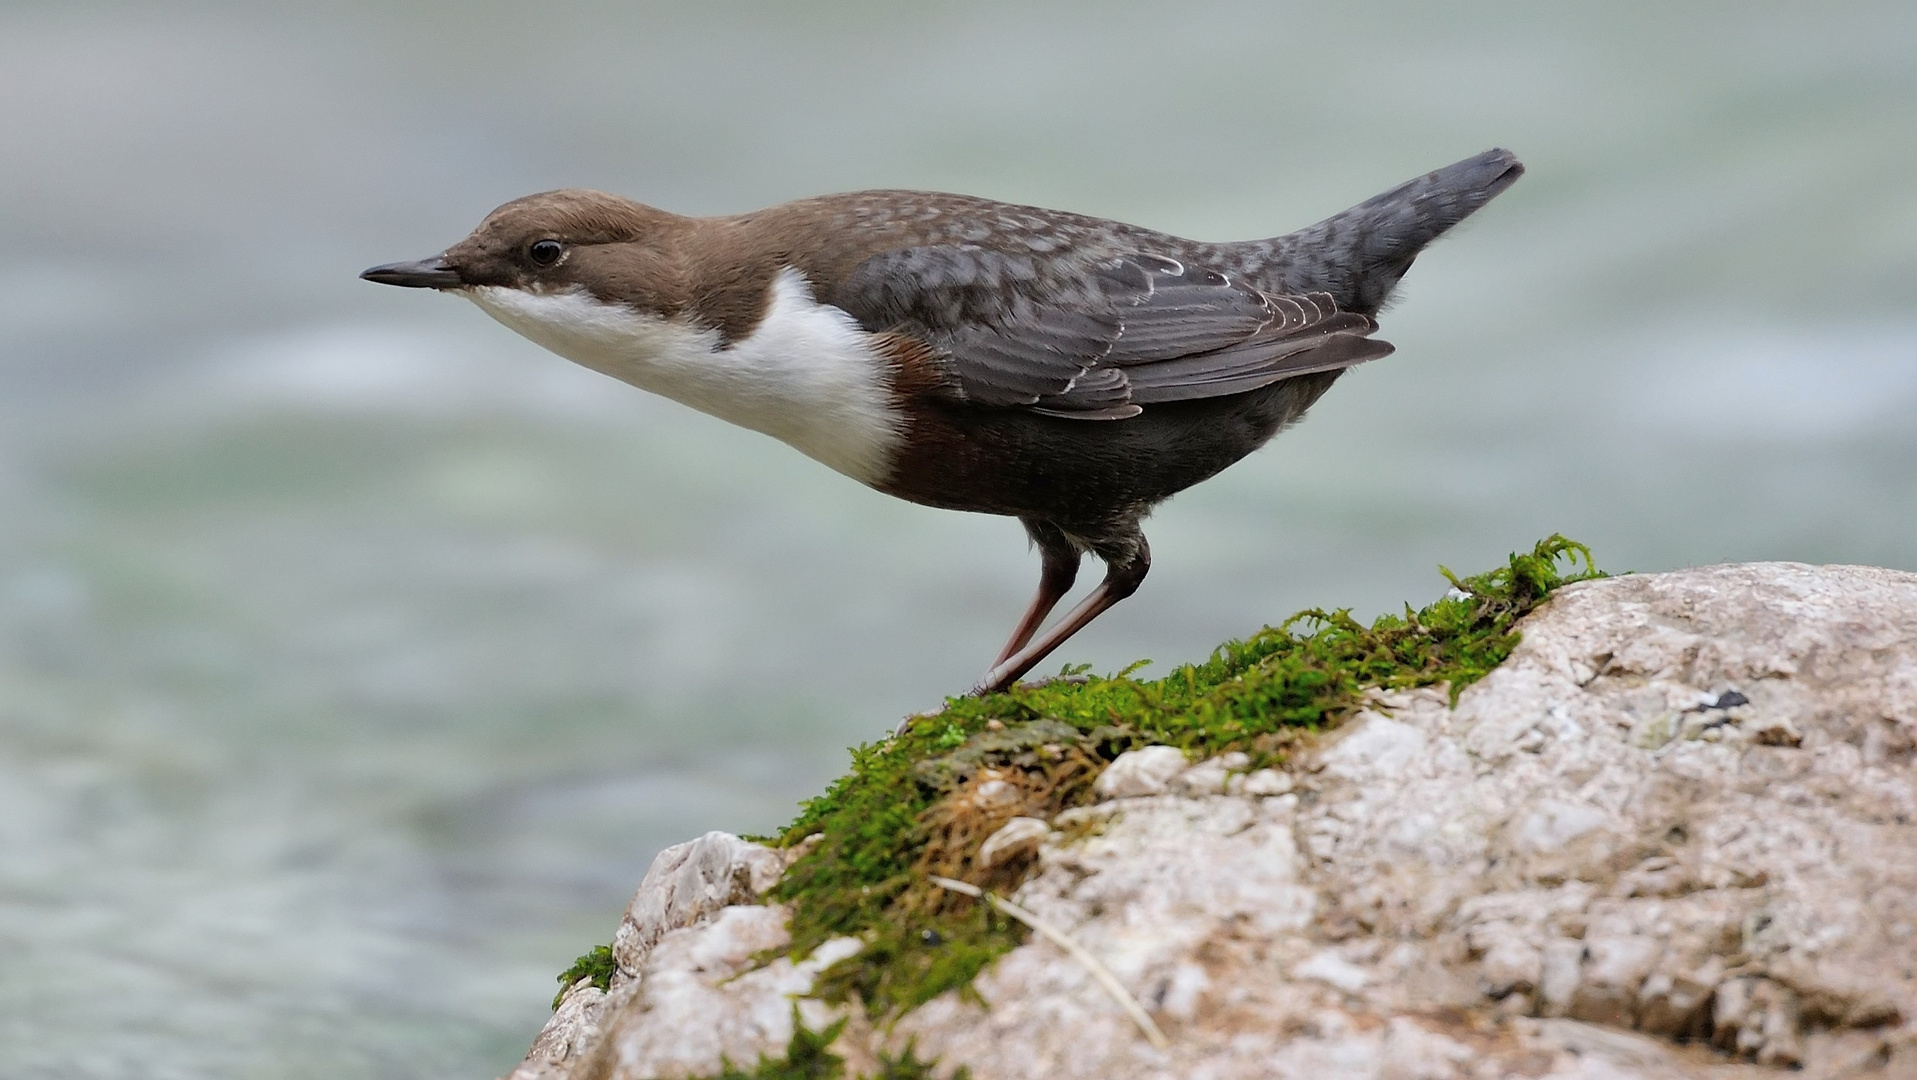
column 921, row 804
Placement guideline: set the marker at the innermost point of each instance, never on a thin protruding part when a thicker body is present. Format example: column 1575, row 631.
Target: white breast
column 805, row 374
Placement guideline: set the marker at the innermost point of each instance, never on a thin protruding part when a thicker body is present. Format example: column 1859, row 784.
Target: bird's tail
column 1359, row 255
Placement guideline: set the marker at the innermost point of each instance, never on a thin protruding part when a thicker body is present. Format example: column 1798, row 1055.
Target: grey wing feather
column 1097, row 339
column 1327, row 354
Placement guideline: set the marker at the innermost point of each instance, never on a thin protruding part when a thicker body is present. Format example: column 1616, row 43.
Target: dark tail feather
column 1359, row 255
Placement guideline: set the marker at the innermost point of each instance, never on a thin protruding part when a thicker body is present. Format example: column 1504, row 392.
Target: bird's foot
column 983, row 689
column 906, row 724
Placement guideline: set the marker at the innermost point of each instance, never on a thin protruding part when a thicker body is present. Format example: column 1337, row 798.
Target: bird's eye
column 546, row 252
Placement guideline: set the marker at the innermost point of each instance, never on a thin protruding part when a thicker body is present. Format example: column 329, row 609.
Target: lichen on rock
column 1673, row 834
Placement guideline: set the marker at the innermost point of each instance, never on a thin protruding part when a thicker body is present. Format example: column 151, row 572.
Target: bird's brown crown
column 575, row 215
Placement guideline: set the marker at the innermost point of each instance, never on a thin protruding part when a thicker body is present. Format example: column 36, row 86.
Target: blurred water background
column 356, row 656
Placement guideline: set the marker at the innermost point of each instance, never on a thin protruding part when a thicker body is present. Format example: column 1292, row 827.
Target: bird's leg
column 1122, row 578
column 1057, row 572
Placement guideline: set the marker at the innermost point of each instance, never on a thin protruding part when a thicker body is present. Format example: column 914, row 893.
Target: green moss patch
column 597, row 965
column 922, row 803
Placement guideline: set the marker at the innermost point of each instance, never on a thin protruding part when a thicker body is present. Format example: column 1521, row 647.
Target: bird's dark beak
column 433, row 273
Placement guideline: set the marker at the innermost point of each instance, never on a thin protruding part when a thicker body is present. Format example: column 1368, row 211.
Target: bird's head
column 552, row 242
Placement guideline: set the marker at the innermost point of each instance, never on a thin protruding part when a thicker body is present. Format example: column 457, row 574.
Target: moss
column 923, row 802
column 809, row 1057
column 597, row 965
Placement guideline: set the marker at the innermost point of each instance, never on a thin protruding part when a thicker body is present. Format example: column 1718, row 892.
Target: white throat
column 804, row 375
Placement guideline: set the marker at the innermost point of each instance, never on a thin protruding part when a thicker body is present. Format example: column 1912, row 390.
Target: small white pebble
column 1144, row 771
column 1209, row 777
column 1334, row 970
column 1266, row 782
column 1021, row 834
column 993, row 793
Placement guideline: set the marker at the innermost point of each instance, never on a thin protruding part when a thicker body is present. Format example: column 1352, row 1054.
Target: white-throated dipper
column 1068, row 371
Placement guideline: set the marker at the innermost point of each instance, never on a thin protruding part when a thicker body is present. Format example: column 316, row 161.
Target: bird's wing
column 1097, row 339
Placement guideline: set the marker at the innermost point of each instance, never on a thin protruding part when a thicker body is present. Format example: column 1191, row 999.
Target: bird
column 1070, row 371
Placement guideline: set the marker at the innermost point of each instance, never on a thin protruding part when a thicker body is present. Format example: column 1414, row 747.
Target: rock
column 1673, row 835
column 688, row 887
column 1561, row 964
column 1263, row 782
column 572, row 1030
column 703, row 997
column 1614, row 968
column 1333, row 970
column 1142, row 772
column 1209, row 777
column 688, row 883
column 1019, row 836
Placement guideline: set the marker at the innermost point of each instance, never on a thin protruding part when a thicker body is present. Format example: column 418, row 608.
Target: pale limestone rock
column 571, row 1031
column 687, row 886
column 1411, row 1052
column 1561, row 964
column 1136, row 773
column 1261, row 783
column 1211, row 776
column 1021, row 835
column 1329, row 968
column 1684, row 809
column 701, row 997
